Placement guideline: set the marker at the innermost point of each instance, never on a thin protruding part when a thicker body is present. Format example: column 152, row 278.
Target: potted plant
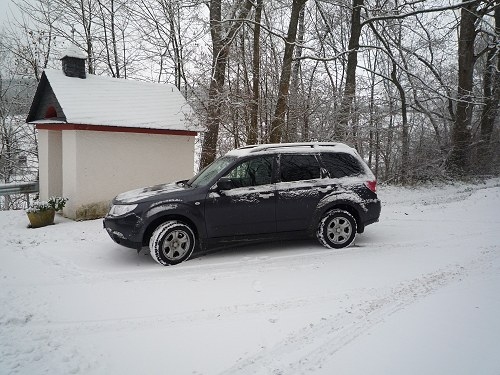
column 42, row 213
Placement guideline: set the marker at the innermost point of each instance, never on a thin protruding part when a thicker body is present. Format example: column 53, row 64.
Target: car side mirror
column 225, row 184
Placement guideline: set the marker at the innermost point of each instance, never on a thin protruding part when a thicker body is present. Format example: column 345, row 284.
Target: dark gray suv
column 254, row 193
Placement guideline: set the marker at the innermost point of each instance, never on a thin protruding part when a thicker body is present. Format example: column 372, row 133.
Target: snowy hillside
column 417, row 294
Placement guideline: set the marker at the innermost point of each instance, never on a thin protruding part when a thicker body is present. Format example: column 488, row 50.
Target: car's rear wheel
column 337, row 229
column 171, row 243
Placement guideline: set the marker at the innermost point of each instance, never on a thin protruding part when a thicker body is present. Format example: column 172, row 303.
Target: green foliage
column 53, row 203
column 57, row 203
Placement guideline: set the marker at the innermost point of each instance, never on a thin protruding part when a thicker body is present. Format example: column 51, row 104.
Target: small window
column 253, row 172
column 51, row 112
column 341, row 165
column 22, row 160
column 296, row 167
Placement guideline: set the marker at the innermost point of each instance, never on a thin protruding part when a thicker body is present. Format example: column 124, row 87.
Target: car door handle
column 266, row 195
column 325, row 189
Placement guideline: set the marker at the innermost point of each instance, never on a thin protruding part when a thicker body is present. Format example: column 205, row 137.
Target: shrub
column 53, row 203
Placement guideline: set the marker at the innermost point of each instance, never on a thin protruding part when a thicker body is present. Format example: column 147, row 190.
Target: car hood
column 173, row 190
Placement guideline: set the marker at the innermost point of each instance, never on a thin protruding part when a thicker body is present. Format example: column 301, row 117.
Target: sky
column 5, row 8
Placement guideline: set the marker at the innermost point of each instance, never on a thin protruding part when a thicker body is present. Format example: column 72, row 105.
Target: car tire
column 171, row 243
column 337, row 229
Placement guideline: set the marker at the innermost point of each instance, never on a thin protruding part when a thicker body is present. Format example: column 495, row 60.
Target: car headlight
column 121, row 209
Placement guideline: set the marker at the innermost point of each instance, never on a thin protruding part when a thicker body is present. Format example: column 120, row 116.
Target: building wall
column 99, row 165
column 70, row 173
column 50, row 163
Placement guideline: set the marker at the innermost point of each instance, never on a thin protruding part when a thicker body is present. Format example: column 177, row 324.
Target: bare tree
column 471, row 12
column 107, row 17
column 278, row 123
column 222, row 33
column 352, row 63
column 283, row 71
column 169, row 33
column 18, row 147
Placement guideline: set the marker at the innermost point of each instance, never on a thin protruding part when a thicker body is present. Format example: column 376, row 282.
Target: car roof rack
column 274, row 146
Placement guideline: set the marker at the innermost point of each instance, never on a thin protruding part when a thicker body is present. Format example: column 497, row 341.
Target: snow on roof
column 100, row 100
column 74, row 51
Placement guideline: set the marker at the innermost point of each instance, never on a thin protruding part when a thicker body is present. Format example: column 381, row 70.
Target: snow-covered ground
column 419, row 293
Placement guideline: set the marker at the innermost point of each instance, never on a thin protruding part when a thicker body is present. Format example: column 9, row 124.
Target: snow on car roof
column 293, row 148
column 99, row 100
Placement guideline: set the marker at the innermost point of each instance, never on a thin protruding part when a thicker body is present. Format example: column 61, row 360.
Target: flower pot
column 41, row 218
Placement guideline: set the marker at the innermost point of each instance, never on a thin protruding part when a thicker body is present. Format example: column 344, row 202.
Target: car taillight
column 372, row 185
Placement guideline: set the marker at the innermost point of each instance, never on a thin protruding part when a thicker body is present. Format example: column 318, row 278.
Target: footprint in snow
column 257, row 286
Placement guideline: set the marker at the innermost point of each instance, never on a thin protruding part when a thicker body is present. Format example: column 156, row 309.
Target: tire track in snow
column 307, row 349
column 153, row 320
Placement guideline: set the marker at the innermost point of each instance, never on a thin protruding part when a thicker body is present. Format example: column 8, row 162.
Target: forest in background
column 414, row 86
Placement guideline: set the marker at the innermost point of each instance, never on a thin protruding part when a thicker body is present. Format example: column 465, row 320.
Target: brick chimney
column 73, row 62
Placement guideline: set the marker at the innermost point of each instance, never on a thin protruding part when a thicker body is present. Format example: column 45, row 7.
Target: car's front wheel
column 337, row 229
column 171, row 243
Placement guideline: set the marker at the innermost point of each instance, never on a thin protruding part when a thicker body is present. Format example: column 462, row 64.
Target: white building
column 100, row 136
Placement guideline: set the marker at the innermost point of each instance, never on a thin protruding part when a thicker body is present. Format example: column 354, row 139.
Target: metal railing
column 25, row 188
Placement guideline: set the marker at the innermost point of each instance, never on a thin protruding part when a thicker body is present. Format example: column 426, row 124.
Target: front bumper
column 123, row 230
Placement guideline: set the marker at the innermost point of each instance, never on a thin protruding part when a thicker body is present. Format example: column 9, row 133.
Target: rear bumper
column 372, row 214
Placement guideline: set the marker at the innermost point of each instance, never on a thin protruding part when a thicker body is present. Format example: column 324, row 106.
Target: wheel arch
column 163, row 219
column 349, row 206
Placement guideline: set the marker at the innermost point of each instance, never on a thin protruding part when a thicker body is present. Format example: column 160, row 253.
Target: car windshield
column 209, row 172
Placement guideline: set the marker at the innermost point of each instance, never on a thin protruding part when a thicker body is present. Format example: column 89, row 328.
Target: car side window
column 297, row 167
column 253, row 172
column 340, row 164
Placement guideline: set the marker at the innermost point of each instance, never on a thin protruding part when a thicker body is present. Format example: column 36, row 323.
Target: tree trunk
column 458, row 161
column 113, row 40
column 371, row 121
column 175, row 39
column 491, row 92
column 306, row 125
column 254, row 117
column 87, row 26
column 278, row 123
column 112, row 58
column 209, row 148
column 293, row 118
column 350, row 81
column 405, row 141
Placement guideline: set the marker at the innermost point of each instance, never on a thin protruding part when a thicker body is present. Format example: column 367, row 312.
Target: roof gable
column 99, row 100
column 44, row 96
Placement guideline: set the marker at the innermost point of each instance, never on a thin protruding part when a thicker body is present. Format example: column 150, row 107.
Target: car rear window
column 296, row 167
column 341, row 165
